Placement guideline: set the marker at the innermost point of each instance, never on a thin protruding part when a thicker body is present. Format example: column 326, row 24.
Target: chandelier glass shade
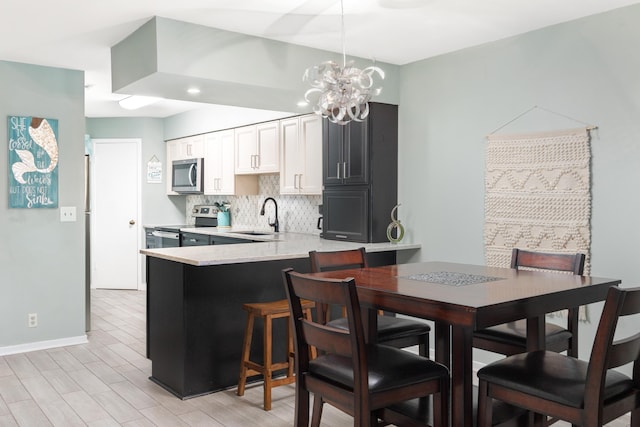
column 341, row 93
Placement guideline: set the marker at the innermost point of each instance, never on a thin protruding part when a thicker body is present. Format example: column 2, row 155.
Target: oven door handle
column 165, row 234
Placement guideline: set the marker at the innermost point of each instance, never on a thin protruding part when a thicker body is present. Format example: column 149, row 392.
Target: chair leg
column 317, row 411
column 290, row 353
column 302, row 406
column 485, row 406
column 362, row 415
column 441, row 405
column 246, row 350
column 635, row 418
column 423, row 347
column 539, row 420
column 266, row 344
column 572, row 326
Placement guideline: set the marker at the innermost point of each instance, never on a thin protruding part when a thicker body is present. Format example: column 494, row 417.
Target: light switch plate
column 68, row 214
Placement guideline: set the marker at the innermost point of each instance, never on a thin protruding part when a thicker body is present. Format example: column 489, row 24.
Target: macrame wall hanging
column 538, row 195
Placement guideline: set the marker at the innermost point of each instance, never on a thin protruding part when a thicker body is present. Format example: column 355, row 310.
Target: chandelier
column 341, row 94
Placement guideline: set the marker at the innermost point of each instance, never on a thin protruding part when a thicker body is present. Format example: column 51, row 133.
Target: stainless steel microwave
column 187, row 176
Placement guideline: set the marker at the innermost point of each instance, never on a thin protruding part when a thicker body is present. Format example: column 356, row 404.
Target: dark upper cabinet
column 345, row 150
column 360, row 164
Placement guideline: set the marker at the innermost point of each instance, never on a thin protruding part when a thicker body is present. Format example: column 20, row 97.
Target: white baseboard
column 42, row 345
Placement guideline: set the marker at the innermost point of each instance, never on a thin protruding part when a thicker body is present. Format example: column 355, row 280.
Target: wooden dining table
column 461, row 299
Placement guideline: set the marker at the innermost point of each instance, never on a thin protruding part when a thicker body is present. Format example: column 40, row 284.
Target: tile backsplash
column 296, row 213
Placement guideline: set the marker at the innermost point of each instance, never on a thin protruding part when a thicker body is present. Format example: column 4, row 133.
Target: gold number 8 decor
column 395, row 225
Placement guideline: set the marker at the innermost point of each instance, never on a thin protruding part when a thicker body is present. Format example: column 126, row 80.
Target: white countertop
column 274, row 246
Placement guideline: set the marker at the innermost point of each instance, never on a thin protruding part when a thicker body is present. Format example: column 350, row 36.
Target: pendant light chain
column 341, row 94
column 344, row 49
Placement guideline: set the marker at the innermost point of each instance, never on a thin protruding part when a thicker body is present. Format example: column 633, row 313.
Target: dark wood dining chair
column 394, row 331
column 582, row 393
column 358, row 378
column 511, row 338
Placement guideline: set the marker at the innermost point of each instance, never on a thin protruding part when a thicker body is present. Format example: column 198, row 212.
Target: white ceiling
column 78, row 34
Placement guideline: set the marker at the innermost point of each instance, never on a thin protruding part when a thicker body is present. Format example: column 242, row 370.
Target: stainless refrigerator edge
column 87, row 244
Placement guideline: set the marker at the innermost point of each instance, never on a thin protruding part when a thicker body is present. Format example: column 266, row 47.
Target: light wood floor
column 105, row 383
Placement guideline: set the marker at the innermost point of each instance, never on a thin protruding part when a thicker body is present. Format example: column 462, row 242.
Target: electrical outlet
column 68, row 214
column 33, row 320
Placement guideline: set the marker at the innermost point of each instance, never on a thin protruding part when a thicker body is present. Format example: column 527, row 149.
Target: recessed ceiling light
column 193, row 91
column 302, row 103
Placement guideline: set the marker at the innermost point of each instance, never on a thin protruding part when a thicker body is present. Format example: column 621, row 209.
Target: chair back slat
column 573, row 263
column 631, row 302
column 315, row 332
column 607, row 352
column 327, row 339
column 323, row 291
column 339, row 260
column 624, row 351
column 332, row 261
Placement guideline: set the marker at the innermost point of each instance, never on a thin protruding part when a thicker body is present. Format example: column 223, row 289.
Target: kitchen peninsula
column 195, row 321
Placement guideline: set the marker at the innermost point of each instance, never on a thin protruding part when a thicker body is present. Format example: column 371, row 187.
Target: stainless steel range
column 205, row 215
column 169, row 236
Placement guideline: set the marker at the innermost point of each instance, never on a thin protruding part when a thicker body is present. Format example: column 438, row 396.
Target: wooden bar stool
column 268, row 311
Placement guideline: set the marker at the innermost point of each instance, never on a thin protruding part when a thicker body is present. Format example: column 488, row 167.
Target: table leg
column 443, row 343
column 536, row 333
column 370, row 323
column 536, row 340
column 461, row 377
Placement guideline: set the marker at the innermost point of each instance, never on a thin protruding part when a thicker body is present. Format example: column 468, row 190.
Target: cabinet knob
column 132, row 222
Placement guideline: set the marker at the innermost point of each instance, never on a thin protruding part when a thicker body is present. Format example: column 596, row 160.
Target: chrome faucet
column 275, row 225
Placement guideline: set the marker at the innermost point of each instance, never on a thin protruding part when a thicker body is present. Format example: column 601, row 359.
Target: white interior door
column 115, row 211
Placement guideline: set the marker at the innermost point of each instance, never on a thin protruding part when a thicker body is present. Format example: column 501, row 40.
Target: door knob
column 132, row 222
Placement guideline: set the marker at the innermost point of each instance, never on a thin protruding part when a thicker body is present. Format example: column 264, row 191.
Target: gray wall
column 42, row 259
column 586, row 69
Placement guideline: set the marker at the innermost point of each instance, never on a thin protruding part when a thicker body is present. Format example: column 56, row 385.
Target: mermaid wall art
column 33, row 162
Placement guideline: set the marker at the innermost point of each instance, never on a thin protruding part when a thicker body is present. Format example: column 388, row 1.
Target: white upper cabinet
column 257, row 149
column 301, row 155
column 219, row 167
column 218, row 163
column 268, row 147
column 245, row 146
column 190, row 147
column 193, row 147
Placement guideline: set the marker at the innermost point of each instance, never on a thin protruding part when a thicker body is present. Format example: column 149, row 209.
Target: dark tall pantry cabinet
column 360, row 176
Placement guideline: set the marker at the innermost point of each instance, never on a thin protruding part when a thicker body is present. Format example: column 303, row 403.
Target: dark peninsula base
column 195, row 321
